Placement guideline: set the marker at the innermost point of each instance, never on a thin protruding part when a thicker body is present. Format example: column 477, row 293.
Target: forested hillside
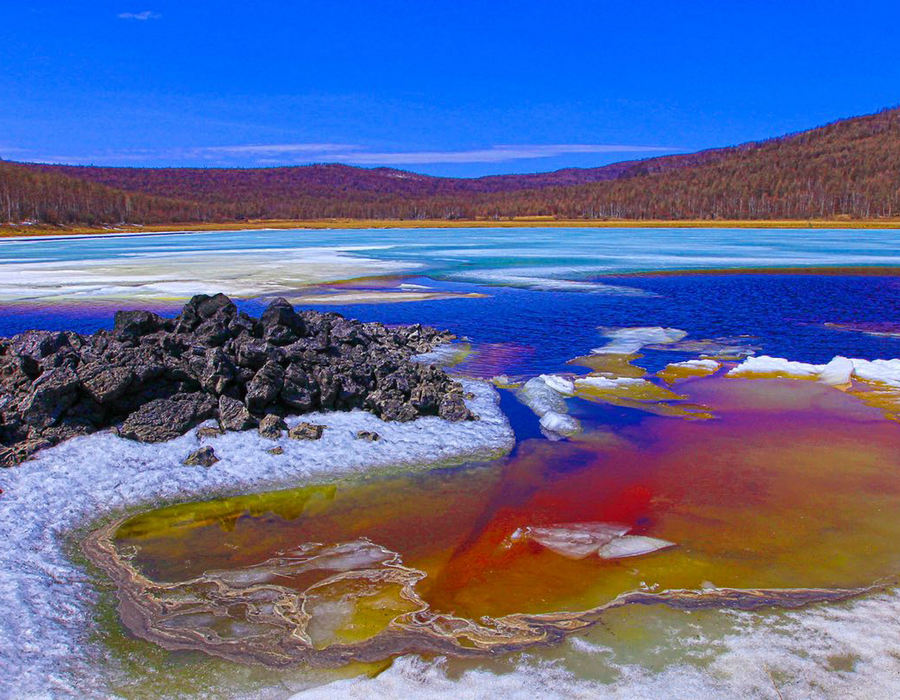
column 29, row 194
column 847, row 168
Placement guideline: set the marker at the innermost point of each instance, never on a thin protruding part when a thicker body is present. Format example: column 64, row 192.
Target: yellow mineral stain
column 611, row 364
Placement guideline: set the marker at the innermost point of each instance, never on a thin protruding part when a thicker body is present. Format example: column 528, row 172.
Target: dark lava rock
column 233, row 414
column 306, row 431
column 164, row 419
column 204, row 457
column 369, row 435
column 136, row 323
column 277, row 450
column 156, row 378
column 209, row 431
column 265, row 386
column 272, row 426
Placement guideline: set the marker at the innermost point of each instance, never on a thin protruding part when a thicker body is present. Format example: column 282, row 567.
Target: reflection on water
column 794, row 485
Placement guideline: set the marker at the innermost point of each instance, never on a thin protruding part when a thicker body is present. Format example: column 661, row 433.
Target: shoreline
column 91, row 479
column 28, row 231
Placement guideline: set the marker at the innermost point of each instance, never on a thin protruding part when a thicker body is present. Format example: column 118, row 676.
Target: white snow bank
column 837, row 372
column 545, row 395
column 47, row 601
column 627, row 341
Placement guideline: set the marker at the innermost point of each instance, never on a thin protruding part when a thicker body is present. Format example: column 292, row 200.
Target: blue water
column 785, row 314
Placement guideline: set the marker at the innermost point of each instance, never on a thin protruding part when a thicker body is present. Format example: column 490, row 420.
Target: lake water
column 765, row 491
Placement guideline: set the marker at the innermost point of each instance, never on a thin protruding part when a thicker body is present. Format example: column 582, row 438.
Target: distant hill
column 32, row 193
column 848, row 168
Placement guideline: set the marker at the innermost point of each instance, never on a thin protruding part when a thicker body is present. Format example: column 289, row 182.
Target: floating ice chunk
column 632, row 546
column 687, row 369
column 574, row 540
column 627, row 341
column 884, row 371
column 541, row 397
column 559, row 384
column 560, row 423
column 545, row 396
column 837, row 372
column 710, row 365
column 592, row 382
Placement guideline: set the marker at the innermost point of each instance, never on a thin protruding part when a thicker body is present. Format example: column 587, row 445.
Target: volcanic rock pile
column 154, row 378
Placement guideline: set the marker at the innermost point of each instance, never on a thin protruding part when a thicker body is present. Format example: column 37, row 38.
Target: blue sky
column 449, row 88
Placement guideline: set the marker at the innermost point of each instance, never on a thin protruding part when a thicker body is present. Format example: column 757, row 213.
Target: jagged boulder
column 165, row 419
column 272, row 426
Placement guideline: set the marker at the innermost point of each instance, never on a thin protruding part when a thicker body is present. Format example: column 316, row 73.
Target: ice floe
column 45, row 638
column 627, row 341
column 546, row 279
column 632, row 546
column 838, row 371
column 545, row 395
column 580, row 540
column 609, row 383
column 687, row 369
column 775, row 366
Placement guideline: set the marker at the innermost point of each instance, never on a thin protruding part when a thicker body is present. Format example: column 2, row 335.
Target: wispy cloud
column 491, row 154
column 276, row 148
column 359, row 155
column 351, row 154
column 140, row 16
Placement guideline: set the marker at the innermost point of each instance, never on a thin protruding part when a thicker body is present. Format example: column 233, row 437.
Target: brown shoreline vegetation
column 29, row 230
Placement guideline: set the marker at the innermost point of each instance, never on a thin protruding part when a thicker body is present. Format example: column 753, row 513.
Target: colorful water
column 774, row 492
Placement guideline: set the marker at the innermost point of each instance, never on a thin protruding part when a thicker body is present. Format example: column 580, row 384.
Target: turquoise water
column 452, row 251
column 545, row 289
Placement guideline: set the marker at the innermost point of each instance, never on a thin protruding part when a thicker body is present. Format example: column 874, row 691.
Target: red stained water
column 794, row 484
